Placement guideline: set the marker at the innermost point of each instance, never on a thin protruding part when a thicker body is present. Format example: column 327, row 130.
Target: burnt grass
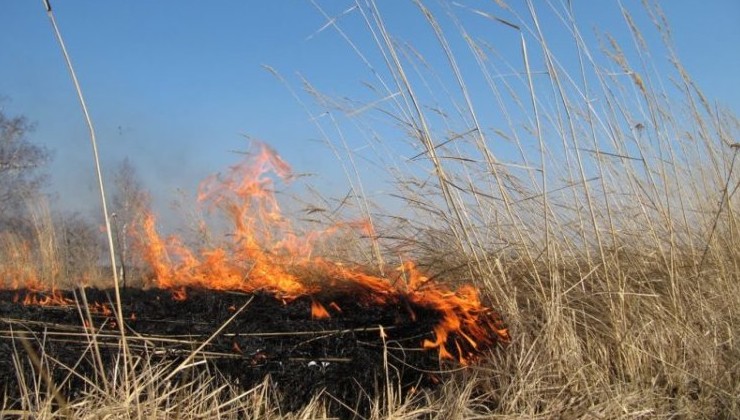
column 342, row 356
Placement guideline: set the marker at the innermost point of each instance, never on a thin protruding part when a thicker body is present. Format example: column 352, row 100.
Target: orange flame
column 24, row 268
column 101, row 308
column 318, row 311
column 263, row 253
column 55, row 298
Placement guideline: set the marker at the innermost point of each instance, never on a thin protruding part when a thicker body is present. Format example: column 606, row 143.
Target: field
column 597, row 215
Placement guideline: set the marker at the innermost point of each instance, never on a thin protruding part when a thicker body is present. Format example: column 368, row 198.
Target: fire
column 101, row 308
column 17, row 269
column 40, row 298
column 55, row 297
column 318, row 311
column 263, row 253
column 256, row 258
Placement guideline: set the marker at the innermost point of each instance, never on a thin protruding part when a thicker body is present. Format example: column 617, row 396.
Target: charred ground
column 344, row 355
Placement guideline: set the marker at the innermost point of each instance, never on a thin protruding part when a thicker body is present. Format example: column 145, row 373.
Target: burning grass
column 264, row 254
column 611, row 250
column 314, row 326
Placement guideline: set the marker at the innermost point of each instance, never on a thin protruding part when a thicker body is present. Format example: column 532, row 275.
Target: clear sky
column 176, row 85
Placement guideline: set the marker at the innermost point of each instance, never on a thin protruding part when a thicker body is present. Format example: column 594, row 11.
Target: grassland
column 608, row 237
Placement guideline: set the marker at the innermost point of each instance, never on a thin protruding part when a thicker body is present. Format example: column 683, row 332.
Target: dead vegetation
column 600, row 217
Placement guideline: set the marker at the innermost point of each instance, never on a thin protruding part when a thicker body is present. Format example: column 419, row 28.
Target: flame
column 34, row 277
column 263, row 253
column 180, row 294
column 318, row 311
column 55, row 298
column 255, row 259
column 19, row 267
column 101, row 308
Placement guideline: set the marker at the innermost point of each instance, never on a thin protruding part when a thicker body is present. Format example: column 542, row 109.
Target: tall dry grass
column 598, row 212
column 592, row 197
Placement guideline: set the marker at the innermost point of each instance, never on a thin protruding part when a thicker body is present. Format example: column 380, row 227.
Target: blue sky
column 176, row 86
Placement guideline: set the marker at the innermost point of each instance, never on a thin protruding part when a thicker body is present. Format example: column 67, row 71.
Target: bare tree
column 20, row 162
column 130, row 203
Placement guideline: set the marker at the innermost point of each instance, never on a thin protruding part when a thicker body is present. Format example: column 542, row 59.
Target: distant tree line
column 60, row 249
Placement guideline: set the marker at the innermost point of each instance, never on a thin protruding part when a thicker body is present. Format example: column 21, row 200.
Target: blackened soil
column 343, row 355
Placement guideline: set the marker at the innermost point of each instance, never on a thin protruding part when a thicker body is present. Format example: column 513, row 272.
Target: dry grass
column 599, row 217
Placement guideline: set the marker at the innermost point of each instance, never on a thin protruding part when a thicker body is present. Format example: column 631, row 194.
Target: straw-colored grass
column 598, row 211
